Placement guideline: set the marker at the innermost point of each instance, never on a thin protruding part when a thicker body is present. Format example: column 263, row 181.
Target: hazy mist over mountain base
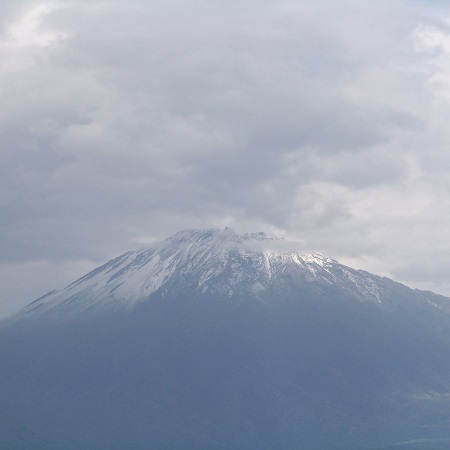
column 196, row 373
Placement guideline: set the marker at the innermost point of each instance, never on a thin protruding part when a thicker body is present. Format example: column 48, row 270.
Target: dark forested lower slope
column 214, row 340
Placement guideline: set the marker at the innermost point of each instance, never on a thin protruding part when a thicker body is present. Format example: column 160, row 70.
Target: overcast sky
column 122, row 122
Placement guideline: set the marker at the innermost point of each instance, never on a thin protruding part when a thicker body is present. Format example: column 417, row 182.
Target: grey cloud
column 141, row 118
column 372, row 167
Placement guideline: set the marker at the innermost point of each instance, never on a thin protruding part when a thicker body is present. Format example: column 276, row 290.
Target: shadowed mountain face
column 214, row 340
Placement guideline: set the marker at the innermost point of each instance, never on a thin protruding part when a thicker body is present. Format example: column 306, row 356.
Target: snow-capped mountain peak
column 220, row 263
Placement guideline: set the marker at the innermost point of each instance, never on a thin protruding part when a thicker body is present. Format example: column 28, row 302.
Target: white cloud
column 435, row 43
column 27, row 30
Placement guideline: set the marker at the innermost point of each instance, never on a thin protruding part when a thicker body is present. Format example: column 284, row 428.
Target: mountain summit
column 218, row 340
column 220, row 263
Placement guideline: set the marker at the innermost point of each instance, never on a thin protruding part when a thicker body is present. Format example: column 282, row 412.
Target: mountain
column 218, row 340
column 221, row 264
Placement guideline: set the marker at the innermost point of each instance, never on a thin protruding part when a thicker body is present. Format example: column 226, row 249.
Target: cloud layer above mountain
column 123, row 122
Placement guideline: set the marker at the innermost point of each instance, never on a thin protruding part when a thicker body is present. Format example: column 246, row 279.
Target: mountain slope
column 215, row 340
